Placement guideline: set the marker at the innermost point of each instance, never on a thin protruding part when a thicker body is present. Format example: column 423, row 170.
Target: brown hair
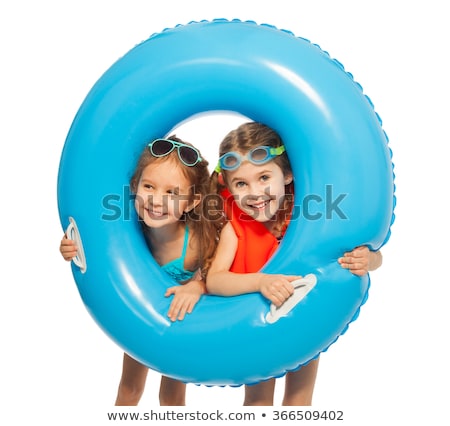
column 246, row 137
column 198, row 219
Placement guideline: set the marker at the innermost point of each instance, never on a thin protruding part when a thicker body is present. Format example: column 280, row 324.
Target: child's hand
column 185, row 298
column 361, row 260
column 68, row 249
column 277, row 288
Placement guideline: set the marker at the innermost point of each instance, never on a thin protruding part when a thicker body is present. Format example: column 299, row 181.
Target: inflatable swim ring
column 344, row 196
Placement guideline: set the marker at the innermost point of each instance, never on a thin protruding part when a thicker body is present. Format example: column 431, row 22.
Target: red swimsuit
column 255, row 243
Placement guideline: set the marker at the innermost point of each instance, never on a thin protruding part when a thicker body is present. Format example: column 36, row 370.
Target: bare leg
column 172, row 392
column 299, row 385
column 132, row 383
column 260, row 394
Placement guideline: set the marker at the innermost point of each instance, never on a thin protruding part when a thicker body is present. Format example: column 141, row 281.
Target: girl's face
column 163, row 194
column 258, row 190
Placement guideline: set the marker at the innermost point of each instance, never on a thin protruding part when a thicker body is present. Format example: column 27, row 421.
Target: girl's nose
column 156, row 199
column 258, row 190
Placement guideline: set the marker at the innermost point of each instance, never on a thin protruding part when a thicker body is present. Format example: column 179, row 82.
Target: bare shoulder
column 226, row 250
column 228, row 235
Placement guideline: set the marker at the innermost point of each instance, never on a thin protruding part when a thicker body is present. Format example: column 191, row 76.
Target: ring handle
column 302, row 287
column 73, row 234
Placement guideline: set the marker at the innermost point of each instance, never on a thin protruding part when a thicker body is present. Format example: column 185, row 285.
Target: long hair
column 198, row 219
column 244, row 138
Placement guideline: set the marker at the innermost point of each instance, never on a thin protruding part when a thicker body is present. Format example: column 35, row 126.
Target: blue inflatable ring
column 344, row 196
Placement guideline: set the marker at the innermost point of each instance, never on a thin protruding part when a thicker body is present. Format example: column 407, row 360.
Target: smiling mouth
column 260, row 205
column 155, row 213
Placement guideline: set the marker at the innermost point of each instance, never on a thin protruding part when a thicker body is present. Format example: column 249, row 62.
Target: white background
column 58, row 367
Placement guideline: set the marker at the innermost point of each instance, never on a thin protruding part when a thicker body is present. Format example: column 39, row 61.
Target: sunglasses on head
column 187, row 154
column 259, row 155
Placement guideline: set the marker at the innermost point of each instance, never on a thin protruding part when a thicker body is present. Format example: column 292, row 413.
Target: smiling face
column 163, row 193
column 258, row 190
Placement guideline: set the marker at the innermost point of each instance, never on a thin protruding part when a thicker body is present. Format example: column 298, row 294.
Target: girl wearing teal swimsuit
column 170, row 181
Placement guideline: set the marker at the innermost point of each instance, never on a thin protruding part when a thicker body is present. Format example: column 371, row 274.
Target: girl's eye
column 148, row 186
column 240, row 184
column 265, row 178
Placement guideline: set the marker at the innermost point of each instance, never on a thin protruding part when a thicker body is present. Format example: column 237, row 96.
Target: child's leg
column 260, row 394
column 132, row 383
column 172, row 392
column 299, row 385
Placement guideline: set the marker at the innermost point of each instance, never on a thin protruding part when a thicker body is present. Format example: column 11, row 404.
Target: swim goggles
column 187, row 154
column 259, row 155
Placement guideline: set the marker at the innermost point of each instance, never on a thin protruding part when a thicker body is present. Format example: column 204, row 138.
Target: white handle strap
column 301, row 288
column 73, row 234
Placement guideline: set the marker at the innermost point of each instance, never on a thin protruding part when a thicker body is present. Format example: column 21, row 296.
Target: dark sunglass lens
column 161, row 147
column 259, row 154
column 188, row 155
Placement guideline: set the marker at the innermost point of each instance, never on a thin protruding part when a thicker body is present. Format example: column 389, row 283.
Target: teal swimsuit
column 175, row 268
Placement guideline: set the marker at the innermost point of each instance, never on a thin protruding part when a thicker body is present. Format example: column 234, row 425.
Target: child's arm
column 220, row 281
column 185, row 297
column 68, row 249
column 361, row 260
